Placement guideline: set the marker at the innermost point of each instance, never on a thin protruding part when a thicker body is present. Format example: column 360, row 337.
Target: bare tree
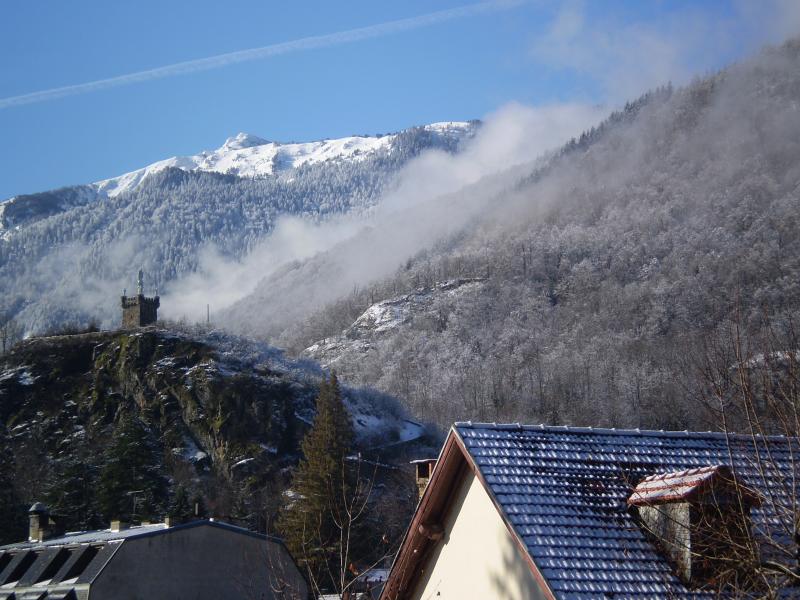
column 749, row 385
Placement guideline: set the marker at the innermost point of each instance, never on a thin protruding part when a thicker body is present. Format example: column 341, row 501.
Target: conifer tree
column 13, row 517
column 180, row 507
column 72, row 494
column 321, row 486
column 131, row 469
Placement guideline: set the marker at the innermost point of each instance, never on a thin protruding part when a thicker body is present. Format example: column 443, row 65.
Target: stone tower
column 138, row 310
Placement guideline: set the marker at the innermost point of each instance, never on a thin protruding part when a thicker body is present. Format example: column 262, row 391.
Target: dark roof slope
column 68, row 564
column 135, row 531
column 565, row 490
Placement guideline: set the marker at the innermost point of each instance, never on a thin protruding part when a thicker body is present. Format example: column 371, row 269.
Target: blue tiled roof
column 564, row 490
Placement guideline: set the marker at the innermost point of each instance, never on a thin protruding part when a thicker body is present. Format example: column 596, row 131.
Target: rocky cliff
column 221, row 418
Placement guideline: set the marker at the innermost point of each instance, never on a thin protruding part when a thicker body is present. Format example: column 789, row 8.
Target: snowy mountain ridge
column 247, row 155
column 229, row 199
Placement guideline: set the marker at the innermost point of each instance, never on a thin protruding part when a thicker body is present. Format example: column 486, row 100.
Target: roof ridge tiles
column 612, row 431
column 685, row 472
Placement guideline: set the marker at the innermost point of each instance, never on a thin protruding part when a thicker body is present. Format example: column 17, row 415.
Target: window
column 5, row 558
column 55, row 565
column 22, row 567
column 79, row 566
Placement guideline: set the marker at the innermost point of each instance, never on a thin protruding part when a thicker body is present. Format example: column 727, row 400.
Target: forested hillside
column 597, row 272
column 603, row 274
column 66, row 255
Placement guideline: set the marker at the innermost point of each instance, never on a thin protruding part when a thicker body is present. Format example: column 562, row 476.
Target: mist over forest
column 558, row 297
column 604, row 268
column 602, row 250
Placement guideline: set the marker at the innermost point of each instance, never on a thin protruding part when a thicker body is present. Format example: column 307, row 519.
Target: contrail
column 222, row 60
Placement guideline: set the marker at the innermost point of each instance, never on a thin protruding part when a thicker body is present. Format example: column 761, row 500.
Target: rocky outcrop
column 222, row 427
column 76, row 387
column 221, row 417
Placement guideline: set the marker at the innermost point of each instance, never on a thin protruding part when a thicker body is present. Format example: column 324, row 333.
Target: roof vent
column 118, row 525
column 700, row 518
column 172, row 521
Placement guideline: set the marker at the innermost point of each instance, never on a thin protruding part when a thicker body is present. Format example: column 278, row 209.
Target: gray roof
column 564, row 491
column 106, row 535
column 76, row 559
column 89, row 537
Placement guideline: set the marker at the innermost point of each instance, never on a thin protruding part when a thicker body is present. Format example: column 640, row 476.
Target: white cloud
column 626, row 59
column 420, row 209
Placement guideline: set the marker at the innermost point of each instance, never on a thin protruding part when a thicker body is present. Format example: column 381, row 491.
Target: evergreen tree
column 180, row 507
column 13, row 517
column 72, row 495
column 321, row 486
column 130, row 474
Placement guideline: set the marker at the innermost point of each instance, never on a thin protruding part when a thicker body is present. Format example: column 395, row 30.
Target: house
column 197, row 560
column 528, row 512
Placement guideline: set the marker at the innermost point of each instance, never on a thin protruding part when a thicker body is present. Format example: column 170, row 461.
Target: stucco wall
column 199, row 563
column 670, row 525
column 477, row 558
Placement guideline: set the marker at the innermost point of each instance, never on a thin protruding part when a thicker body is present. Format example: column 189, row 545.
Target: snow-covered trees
column 69, row 263
column 606, row 267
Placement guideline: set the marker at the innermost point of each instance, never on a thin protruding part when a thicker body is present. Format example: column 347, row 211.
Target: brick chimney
column 424, row 470
column 699, row 518
column 41, row 525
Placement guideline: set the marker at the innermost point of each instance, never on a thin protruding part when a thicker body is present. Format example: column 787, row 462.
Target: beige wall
column 199, row 563
column 477, row 558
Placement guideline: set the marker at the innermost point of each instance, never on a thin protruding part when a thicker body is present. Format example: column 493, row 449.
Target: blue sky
column 460, row 68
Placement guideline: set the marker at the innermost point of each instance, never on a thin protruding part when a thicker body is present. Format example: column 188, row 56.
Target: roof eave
column 453, row 463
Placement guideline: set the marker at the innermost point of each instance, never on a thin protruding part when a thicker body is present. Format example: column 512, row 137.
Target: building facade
column 529, row 512
column 201, row 560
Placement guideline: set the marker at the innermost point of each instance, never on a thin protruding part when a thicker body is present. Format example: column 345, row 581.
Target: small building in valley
column 529, row 512
column 198, row 560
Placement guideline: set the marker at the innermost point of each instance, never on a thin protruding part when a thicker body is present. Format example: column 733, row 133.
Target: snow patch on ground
column 367, row 422
column 411, row 431
column 190, row 451
column 386, row 317
column 269, row 449
column 22, row 374
column 383, row 316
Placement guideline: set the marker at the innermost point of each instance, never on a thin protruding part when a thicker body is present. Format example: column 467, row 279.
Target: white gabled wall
column 477, row 558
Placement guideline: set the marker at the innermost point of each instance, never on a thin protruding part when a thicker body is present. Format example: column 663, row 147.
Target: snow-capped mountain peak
column 248, row 155
column 242, row 140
